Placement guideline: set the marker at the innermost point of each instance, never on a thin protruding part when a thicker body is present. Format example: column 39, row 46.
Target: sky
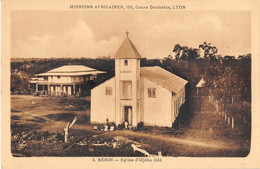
column 73, row 34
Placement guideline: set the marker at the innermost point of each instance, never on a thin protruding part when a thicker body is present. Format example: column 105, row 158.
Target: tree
column 185, row 53
column 209, row 51
column 245, row 58
column 192, row 54
column 177, row 49
column 229, row 58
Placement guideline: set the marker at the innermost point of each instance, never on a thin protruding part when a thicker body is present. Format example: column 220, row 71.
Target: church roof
column 163, row 78
column 71, row 70
column 127, row 51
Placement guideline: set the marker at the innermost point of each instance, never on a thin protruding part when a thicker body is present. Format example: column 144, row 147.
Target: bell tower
column 127, row 79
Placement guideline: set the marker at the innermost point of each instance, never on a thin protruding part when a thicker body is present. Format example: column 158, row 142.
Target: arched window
column 126, row 63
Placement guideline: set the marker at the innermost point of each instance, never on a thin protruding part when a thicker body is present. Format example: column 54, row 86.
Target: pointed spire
column 127, row 50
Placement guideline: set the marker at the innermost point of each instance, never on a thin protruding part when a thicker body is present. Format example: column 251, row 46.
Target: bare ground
column 37, row 125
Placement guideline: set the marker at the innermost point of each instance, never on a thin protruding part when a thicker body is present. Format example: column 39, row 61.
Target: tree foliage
column 229, row 82
column 208, row 50
column 185, row 53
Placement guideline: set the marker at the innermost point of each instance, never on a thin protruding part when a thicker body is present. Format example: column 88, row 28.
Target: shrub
column 139, row 125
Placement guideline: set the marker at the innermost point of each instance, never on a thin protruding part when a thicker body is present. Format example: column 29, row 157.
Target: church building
column 151, row 95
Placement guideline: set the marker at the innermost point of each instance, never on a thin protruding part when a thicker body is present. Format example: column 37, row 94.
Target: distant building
column 151, row 95
column 201, row 90
column 65, row 80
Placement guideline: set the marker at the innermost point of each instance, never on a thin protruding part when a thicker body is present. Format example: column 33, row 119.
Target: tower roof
column 127, row 51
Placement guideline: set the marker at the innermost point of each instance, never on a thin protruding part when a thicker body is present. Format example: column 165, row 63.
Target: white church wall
column 157, row 110
column 173, row 109
column 177, row 100
column 141, row 115
column 102, row 105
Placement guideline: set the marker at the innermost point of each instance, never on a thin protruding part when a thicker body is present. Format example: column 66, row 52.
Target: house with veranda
column 135, row 94
column 67, row 79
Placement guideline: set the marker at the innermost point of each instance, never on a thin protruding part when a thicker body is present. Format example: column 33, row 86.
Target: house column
column 69, row 90
column 64, row 89
column 52, row 90
column 48, row 88
column 61, row 88
column 36, row 87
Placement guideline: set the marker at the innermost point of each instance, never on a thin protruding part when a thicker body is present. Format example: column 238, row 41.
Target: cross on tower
column 127, row 33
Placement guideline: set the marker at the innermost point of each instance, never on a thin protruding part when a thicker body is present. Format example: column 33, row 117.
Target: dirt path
column 208, row 126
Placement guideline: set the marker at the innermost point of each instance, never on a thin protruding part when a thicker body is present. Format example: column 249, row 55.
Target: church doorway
column 128, row 114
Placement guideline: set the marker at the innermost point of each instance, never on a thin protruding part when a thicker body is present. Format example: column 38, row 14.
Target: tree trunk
column 140, row 150
column 66, row 129
column 225, row 116
column 73, row 122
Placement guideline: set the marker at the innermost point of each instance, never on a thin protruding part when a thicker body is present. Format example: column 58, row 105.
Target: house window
column 126, row 63
column 58, row 77
column 151, row 92
column 108, row 90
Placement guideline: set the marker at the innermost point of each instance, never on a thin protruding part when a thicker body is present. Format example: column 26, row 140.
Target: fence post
column 233, row 122
column 228, row 120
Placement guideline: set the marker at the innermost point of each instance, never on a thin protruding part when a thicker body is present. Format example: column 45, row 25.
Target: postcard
column 133, row 84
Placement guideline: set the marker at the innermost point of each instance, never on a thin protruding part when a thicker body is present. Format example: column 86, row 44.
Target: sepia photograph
column 130, row 84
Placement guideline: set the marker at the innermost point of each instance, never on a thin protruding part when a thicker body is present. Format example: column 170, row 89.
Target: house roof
column 201, row 83
column 71, row 70
column 127, row 51
column 164, row 78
